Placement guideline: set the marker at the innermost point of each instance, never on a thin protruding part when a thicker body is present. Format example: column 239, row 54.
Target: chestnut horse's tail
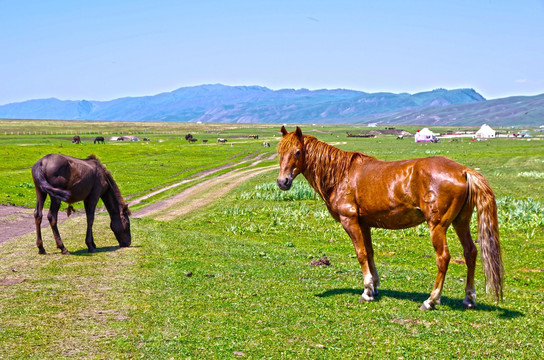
column 481, row 196
column 40, row 181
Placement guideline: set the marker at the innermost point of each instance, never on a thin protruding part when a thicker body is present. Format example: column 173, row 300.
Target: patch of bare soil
column 16, row 221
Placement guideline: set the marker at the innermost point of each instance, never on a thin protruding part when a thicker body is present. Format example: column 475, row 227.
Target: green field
column 233, row 279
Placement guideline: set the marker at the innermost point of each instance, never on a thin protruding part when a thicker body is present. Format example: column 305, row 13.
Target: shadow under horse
column 362, row 192
column 68, row 179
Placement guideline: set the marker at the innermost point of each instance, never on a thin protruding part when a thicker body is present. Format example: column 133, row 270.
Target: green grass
column 251, row 289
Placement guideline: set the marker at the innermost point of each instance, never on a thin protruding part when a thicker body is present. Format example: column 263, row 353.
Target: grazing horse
column 188, row 136
column 193, row 140
column 71, row 180
column 220, row 140
column 253, row 136
column 266, row 144
column 99, row 139
column 362, row 192
column 76, row 139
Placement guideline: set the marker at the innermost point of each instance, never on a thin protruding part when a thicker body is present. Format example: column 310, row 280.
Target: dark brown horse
column 362, row 192
column 99, row 139
column 71, row 180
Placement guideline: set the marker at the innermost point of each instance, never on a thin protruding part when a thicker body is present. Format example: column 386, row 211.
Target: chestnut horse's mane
column 328, row 164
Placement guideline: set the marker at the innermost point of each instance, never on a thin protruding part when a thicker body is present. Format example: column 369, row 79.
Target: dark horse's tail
column 40, row 181
column 481, row 196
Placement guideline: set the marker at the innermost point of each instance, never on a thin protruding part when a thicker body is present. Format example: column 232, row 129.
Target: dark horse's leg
column 52, row 217
column 90, row 207
column 360, row 238
column 462, row 227
column 38, row 213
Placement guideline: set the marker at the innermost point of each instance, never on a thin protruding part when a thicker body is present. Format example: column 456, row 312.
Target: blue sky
column 101, row 50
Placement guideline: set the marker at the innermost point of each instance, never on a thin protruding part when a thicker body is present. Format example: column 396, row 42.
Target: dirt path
column 17, row 221
column 201, row 194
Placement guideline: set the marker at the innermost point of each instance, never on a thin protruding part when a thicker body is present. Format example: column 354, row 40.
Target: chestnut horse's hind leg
column 360, row 237
column 52, row 217
column 438, row 237
column 38, row 213
column 370, row 257
column 462, row 227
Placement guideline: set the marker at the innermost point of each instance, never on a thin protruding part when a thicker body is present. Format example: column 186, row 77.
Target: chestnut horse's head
column 291, row 151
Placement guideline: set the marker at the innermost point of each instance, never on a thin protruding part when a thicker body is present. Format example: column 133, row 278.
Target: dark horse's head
column 119, row 212
column 291, row 151
column 121, row 226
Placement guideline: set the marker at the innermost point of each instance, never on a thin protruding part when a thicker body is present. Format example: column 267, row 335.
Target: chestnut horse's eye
column 297, row 153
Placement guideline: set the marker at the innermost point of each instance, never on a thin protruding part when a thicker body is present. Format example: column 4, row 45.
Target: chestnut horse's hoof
column 365, row 298
column 467, row 305
column 427, row 305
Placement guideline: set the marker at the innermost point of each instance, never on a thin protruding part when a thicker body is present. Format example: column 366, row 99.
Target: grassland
column 233, row 280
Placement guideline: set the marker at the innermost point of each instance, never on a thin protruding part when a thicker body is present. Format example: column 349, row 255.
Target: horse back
column 401, row 194
column 80, row 176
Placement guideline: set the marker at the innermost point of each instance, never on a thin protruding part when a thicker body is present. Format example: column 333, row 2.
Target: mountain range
column 256, row 104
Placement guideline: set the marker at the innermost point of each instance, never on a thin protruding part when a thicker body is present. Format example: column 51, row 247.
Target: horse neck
column 325, row 165
column 111, row 198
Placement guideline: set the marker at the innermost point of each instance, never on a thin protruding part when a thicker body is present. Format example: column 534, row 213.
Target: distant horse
column 188, row 136
column 400, row 137
column 362, row 192
column 120, row 138
column 147, row 139
column 204, row 141
column 266, row 144
column 71, row 180
column 76, row 139
column 99, row 139
column 220, row 140
column 253, row 136
column 193, row 140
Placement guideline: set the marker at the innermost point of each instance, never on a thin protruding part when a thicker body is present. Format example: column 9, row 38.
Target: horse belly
column 393, row 218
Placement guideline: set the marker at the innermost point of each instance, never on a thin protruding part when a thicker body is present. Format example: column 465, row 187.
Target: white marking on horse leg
column 368, row 293
column 427, row 305
column 469, row 302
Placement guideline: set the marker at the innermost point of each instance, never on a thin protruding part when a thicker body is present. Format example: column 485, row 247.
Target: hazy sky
column 101, row 50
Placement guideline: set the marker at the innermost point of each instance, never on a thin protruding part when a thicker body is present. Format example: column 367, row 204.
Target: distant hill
column 243, row 104
column 511, row 111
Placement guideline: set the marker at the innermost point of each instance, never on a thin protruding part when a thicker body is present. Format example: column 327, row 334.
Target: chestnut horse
column 362, row 192
column 71, row 180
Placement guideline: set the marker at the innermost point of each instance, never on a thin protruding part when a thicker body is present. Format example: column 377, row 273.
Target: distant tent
column 485, row 132
column 425, row 135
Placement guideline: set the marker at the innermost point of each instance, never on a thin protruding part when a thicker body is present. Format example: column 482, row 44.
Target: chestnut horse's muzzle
column 285, row 183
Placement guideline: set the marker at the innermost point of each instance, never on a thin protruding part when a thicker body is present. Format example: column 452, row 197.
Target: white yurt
column 425, row 135
column 485, row 132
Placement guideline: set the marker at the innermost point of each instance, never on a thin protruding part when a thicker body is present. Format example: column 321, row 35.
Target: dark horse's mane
column 111, row 182
column 328, row 163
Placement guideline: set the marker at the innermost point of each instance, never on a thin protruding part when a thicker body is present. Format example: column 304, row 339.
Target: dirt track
column 16, row 221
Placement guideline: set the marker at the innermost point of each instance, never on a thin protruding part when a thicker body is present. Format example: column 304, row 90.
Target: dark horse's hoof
column 65, row 252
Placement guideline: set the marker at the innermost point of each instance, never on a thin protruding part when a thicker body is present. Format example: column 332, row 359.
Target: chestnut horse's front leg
column 360, row 237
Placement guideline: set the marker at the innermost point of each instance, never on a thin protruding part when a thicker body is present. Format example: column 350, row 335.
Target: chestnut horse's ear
column 283, row 130
column 298, row 132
